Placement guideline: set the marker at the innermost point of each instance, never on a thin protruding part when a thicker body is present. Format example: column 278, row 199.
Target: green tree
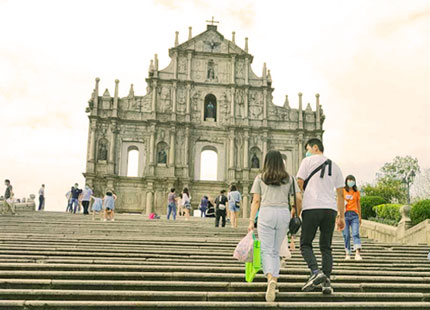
column 390, row 190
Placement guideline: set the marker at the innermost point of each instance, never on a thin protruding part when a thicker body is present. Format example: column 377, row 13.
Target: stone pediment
column 211, row 41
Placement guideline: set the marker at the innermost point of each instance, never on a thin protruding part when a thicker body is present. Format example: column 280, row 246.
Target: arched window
column 210, row 108
column 209, row 165
column 133, row 162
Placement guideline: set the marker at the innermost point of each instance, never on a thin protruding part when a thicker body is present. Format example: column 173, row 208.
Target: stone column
column 96, row 97
column 300, row 146
column 115, row 100
column 245, row 195
column 300, row 112
column 246, row 103
column 152, row 147
column 232, row 102
column 172, row 147
column 265, row 104
column 149, row 199
column 246, row 71
column 174, row 87
column 265, row 138
column 113, row 132
column 92, row 146
column 233, row 62
column 175, row 65
column 186, row 152
column 231, row 150
column 188, row 99
column 189, row 58
column 245, row 150
column 318, row 113
column 154, row 96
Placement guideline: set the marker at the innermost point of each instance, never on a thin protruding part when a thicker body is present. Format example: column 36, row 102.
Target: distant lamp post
column 408, row 180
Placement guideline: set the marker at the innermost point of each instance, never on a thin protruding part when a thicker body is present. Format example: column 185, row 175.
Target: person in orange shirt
column 352, row 217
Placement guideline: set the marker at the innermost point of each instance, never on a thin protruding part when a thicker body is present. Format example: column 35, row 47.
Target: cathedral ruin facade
column 207, row 99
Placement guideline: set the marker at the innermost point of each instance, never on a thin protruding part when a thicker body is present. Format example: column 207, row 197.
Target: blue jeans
column 272, row 228
column 74, row 201
column 171, row 209
column 351, row 220
column 203, row 211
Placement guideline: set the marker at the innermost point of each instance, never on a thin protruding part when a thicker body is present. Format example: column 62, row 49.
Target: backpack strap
column 320, row 167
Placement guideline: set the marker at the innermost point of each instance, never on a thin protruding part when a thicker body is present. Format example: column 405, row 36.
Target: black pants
column 324, row 219
column 85, row 205
column 220, row 213
column 41, row 199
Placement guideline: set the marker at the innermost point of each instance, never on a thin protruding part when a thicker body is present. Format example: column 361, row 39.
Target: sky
column 369, row 61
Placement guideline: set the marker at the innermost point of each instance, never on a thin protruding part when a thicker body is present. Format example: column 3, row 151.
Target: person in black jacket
column 221, row 206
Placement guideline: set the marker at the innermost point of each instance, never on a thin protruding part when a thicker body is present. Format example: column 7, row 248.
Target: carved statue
column 211, row 70
column 255, row 162
column 103, row 151
column 211, row 110
column 162, row 157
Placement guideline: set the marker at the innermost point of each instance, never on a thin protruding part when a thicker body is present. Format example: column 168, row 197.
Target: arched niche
column 210, row 108
column 102, row 149
column 162, row 153
column 255, row 158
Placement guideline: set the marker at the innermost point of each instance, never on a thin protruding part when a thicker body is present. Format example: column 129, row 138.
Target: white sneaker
column 347, row 257
column 358, row 257
column 271, row 291
column 105, row 220
column 113, row 220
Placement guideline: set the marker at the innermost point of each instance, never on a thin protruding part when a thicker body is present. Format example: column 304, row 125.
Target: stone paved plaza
column 62, row 261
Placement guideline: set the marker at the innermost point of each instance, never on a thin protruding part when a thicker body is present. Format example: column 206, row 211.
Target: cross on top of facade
column 212, row 21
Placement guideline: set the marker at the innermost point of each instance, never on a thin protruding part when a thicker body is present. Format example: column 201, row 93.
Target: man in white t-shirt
column 319, row 210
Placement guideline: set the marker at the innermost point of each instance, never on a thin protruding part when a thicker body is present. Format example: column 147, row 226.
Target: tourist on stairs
column 234, row 199
column 318, row 177
column 109, row 206
column 186, row 202
column 271, row 190
column 352, row 217
column 171, row 207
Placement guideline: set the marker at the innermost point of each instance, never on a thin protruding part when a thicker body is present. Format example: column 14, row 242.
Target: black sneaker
column 314, row 280
column 326, row 287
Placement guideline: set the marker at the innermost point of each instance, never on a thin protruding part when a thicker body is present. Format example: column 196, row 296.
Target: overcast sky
column 368, row 59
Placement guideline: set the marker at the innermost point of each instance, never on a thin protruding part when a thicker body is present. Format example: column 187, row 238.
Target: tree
column 421, row 188
column 394, row 180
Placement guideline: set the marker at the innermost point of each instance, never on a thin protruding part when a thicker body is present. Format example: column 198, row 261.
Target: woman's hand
column 251, row 226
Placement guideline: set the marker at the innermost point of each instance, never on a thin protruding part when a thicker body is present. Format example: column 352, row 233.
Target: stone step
column 108, row 295
column 127, row 305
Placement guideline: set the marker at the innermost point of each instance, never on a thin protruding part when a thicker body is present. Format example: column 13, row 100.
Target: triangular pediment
column 211, row 41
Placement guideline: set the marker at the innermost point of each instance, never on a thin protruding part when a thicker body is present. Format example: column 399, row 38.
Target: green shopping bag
column 252, row 268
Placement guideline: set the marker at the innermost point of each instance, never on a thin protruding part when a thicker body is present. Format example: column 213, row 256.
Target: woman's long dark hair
column 352, row 178
column 274, row 172
column 185, row 191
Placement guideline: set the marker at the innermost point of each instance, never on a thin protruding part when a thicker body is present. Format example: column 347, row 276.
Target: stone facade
column 207, row 98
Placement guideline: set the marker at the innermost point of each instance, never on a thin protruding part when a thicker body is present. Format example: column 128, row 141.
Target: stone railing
column 25, row 204
column 403, row 233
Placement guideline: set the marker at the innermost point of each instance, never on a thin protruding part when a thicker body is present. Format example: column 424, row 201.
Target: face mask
column 350, row 183
column 308, row 154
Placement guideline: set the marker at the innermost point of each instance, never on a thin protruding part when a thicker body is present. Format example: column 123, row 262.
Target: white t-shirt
column 320, row 193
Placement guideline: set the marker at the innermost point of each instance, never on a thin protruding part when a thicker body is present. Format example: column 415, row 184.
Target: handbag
column 252, row 268
column 244, row 249
column 295, row 222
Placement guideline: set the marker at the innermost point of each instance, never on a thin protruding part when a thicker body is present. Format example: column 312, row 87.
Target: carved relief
column 182, row 99
column 240, row 103
column 164, row 100
column 182, row 65
column 240, row 65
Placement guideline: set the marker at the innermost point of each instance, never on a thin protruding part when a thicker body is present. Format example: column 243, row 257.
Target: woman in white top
column 271, row 190
column 186, row 202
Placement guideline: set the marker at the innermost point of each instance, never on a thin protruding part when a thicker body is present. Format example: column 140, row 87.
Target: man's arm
column 340, row 208
column 300, row 183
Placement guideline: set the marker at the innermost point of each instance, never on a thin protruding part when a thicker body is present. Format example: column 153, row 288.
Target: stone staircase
column 64, row 261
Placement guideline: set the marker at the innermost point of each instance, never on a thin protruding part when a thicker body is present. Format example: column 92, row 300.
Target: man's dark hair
column 314, row 141
column 109, row 194
column 222, row 191
column 172, row 190
column 233, row 188
column 186, row 191
column 43, row 185
column 7, row 181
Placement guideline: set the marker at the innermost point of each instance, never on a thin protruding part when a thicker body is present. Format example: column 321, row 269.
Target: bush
column 420, row 211
column 388, row 211
column 367, row 204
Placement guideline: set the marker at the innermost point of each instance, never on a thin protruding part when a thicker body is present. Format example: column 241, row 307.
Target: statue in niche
column 255, row 162
column 211, row 110
column 162, row 157
column 103, row 153
column 211, row 70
